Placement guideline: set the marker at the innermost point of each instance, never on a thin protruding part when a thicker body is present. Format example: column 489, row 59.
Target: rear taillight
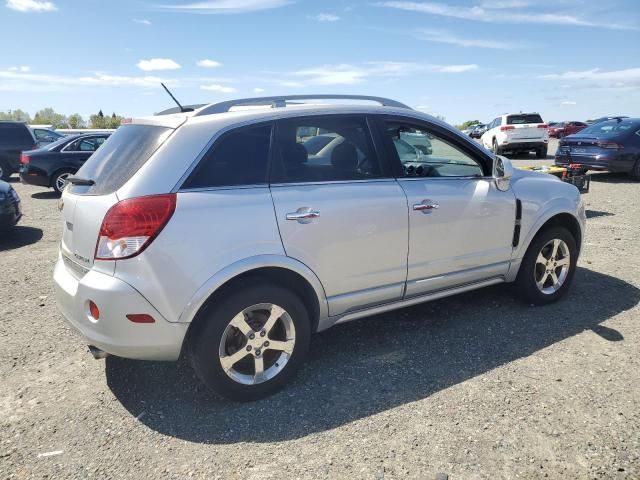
column 507, row 127
column 131, row 225
column 611, row 145
column 543, row 125
column 24, row 159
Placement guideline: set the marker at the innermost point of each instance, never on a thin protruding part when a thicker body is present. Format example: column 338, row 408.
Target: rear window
column 524, row 118
column 610, row 127
column 122, row 155
column 15, row 134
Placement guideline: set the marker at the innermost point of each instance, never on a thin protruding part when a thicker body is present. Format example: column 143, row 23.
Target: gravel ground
column 474, row 386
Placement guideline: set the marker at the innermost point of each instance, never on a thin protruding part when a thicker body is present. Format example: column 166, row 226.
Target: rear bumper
column 113, row 332
column 596, row 162
column 32, row 178
column 516, row 144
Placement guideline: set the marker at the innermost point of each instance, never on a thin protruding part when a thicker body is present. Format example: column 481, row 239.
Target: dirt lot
column 474, row 386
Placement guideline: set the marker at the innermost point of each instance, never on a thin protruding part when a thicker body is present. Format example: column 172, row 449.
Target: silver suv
column 230, row 233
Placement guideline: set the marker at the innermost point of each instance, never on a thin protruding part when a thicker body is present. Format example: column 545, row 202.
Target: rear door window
column 524, row 118
column 238, row 158
column 122, row 155
column 15, row 134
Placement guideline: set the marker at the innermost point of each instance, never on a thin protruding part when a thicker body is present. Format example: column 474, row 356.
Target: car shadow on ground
column 19, row 236
column 597, row 213
column 606, row 177
column 375, row 364
column 45, row 195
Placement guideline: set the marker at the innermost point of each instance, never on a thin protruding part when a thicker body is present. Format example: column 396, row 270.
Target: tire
column 635, row 171
column 494, row 147
column 56, row 181
column 216, row 339
column 532, row 270
column 542, row 152
column 5, row 171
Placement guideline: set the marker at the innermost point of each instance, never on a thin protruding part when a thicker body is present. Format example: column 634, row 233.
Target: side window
column 89, row 144
column 239, row 157
column 423, row 154
column 322, row 149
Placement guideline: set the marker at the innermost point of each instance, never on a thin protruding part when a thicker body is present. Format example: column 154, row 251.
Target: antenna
column 182, row 109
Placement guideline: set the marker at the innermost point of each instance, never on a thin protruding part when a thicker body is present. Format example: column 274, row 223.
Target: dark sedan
column 10, row 212
column 612, row 145
column 52, row 165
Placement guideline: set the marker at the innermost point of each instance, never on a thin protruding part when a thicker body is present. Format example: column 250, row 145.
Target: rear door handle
column 303, row 215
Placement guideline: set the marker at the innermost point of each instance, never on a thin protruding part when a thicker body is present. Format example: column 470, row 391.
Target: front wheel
column 494, row 147
column 548, row 267
column 251, row 344
column 635, row 172
column 542, row 152
column 5, row 171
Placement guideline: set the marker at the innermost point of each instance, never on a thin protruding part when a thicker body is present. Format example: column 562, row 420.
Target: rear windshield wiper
column 80, row 181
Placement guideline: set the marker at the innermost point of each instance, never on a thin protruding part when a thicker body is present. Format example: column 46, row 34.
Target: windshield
column 524, row 118
column 610, row 127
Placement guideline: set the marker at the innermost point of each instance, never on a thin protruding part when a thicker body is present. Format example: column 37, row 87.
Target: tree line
column 48, row 116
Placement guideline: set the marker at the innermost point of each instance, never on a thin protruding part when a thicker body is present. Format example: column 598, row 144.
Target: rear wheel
column 635, row 172
column 251, row 344
column 5, row 171
column 59, row 181
column 542, row 152
column 548, row 267
column 494, row 147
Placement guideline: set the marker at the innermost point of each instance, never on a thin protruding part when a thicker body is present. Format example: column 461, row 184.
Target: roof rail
column 281, row 101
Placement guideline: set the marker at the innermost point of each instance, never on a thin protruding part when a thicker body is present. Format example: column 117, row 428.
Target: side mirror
column 502, row 172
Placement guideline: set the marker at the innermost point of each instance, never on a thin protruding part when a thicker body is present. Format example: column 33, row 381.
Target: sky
column 462, row 60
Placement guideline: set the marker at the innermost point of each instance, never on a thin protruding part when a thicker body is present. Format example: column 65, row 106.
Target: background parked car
column 14, row 138
column 10, row 212
column 477, row 130
column 45, row 136
column 52, row 165
column 562, row 129
column 517, row 132
column 613, row 145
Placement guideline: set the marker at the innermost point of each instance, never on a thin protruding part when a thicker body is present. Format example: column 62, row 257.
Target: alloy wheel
column 552, row 266
column 61, row 181
column 257, row 344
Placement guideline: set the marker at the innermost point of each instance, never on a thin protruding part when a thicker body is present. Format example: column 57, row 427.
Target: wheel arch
column 58, row 171
column 558, row 219
column 276, row 269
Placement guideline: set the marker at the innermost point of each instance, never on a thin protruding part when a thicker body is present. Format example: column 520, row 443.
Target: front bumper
column 113, row 332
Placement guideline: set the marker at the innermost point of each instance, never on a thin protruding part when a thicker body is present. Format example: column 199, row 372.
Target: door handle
column 303, row 214
column 426, row 205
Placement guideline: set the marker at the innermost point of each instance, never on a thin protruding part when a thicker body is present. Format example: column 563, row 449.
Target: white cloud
column 227, row 6
column 500, row 4
column 30, row 82
column 214, row 87
column 441, row 36
column 423, row 108
column 332, row 75
column 258, row 90
column 598, row 78
column 31, row 6
column 206, row 63
column 21, row 68
column 142, row 21
column 454, row 68
column 498, row 15
column 568, row 102
column 157, row 64
column 326, row 17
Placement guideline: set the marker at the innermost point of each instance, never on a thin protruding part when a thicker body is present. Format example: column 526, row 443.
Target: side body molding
column 253, row 263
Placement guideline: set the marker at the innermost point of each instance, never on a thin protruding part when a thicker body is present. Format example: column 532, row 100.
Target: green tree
column 97, row 120
column 76, row 121
column 467, row 124
column 114, row 121
column 48, row 116
column 16, row 115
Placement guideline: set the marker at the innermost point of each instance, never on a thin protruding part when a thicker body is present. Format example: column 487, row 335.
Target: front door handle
column 303, row 215
column 426, row 206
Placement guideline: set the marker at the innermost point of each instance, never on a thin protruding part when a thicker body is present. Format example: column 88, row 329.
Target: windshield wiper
column 81, row 181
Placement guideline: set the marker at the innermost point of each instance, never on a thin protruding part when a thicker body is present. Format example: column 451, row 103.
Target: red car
column 562, row 129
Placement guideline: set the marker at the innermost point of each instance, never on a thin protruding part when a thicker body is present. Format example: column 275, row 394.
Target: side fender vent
column 516, row 228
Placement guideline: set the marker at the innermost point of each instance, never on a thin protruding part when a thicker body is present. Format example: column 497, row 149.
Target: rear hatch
column 527, row 127
column 85, row 204
column 579, row 145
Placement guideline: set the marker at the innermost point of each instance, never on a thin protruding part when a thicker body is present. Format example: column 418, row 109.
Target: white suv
column 517, row 133
column 218, row 235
